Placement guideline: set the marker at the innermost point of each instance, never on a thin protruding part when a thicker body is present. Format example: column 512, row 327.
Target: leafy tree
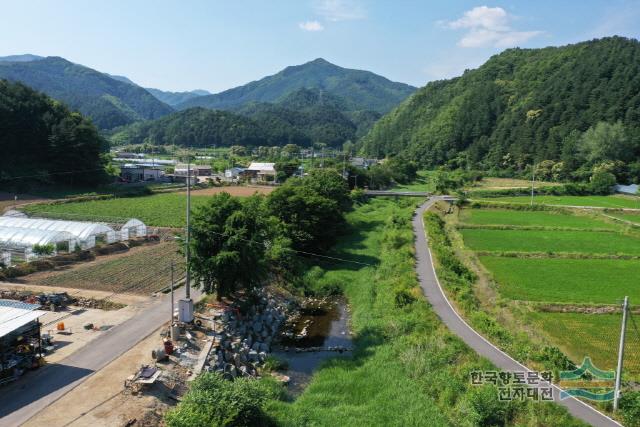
column 605, row 142
column 311, row 220
column 602, row 182
column 228, row 236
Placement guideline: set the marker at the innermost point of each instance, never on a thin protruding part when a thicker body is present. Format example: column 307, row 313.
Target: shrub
column 47, row 249
column 630, row 408
column 403, row 298
column 214, row 401
column 274, row 363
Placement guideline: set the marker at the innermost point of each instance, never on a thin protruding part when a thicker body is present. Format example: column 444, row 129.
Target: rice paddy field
column 613, row 202
column 561, row 280
column 575, row 261
column 595, row 242
column 538, row 218
column 595, row 335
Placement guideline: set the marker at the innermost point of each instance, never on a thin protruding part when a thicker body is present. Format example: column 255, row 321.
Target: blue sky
column 216, row 45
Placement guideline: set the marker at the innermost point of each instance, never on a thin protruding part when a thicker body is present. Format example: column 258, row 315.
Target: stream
column 327, row 328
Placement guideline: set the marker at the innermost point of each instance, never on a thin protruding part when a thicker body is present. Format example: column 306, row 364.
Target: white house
column 135, row 173
column 262, row 171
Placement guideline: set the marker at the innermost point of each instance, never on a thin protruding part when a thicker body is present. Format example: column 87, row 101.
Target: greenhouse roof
column 80, row 230
column 25, row 237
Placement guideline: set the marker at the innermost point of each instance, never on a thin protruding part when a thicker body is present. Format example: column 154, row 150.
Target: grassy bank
column 407, row 369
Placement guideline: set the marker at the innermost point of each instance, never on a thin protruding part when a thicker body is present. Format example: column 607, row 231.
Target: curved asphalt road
column 443, row 308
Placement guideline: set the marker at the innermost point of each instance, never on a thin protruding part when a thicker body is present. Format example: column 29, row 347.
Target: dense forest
column 108, row 101
column 360, row 90
column 304, row 117
column 45, row 142
column 569, row 110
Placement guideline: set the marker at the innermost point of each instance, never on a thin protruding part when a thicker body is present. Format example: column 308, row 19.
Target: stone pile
column 242, row 343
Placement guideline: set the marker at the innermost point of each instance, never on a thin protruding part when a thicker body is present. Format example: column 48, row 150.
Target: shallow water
column 329, row 328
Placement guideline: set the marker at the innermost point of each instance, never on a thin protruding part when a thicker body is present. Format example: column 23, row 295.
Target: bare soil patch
column 240, row 191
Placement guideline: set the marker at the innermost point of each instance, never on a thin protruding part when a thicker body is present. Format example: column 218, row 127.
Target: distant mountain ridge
column 175, row 98
column 20, row 58
column 109, row 101
column 360, row 90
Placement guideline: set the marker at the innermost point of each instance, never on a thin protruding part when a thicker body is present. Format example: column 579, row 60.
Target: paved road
column 26, row 397
column 434, row 293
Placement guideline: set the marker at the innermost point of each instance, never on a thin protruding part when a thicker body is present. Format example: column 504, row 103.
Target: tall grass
column 407, row 368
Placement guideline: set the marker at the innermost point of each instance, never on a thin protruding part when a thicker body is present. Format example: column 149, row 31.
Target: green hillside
column 302, row 118
column 42, row 141
column 108, row 101
column 577, row 106
column 360, row 90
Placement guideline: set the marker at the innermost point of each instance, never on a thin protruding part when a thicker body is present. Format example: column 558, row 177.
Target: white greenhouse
column 85, row 232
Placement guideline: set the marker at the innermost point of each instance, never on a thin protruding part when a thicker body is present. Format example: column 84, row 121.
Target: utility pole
column 533, row 181
column 186, row 304
column 616, row 393
column 172, row 305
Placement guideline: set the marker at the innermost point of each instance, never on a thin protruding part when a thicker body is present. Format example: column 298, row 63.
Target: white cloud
column 339, row 10
column 311, row 26
column 489, row 27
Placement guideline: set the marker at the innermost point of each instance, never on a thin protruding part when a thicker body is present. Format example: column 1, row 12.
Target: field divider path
column 457, row 325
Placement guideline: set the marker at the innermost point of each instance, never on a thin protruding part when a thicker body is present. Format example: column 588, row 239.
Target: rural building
column 627, row 189
column 261, row 172
column 361, row 162
column 233, row 173
column 141, row 172
column 196, row 170
column 125, row 155
column 20, row 344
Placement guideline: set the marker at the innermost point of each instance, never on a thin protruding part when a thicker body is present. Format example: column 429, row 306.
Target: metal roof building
column 16, row 314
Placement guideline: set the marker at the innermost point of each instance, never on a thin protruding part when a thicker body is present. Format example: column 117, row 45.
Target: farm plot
column 142, row 270
column 551, row 241
column 533, row 218
column 593, row 335
column 163, row 210
column 615, row 201
column 600, row 281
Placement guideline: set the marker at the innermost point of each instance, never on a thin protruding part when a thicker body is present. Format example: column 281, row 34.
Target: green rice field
column 598, row 281
column 531, row 218
column 593, row 335
column 482, row 239
column 615, row 201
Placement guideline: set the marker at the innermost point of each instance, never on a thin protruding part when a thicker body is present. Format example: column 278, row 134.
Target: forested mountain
column 175, row 98
column 304, row 117
column 200, row 127
column 43, row 140
column 576, row 106
column 20, row 58
column 108, row 101
column 360, row 90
